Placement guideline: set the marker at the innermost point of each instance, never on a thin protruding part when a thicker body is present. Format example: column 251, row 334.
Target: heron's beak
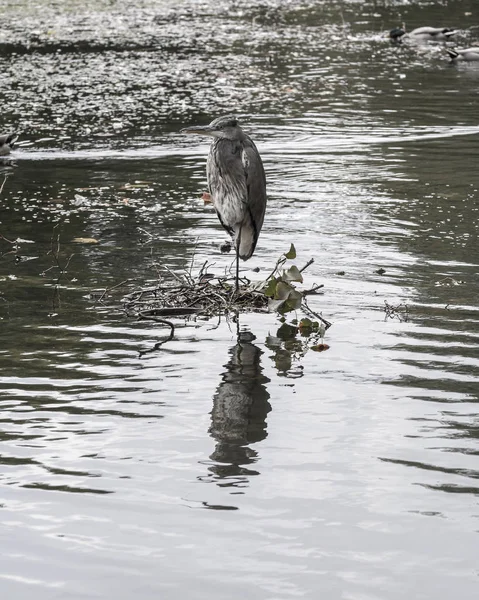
column 199, row 130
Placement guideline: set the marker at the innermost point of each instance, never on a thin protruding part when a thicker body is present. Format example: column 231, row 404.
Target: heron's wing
column 255, row 184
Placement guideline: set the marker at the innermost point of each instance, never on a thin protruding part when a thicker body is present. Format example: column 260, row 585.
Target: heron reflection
column 238, row 419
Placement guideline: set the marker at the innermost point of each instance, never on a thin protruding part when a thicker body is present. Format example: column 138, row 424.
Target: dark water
column 219, row 468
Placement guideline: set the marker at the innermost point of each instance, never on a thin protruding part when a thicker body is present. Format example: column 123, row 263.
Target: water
column 216, row 468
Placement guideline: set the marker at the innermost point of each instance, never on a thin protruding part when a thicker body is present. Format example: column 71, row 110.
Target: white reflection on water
column 215, row 465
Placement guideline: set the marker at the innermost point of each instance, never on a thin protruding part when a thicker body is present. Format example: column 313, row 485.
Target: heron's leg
column 237, row 268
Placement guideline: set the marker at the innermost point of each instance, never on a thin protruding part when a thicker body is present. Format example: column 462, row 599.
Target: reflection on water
column 238, row 419
column 368, row 474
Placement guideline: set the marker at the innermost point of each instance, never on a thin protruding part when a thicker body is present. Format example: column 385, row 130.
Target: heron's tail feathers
column 246, row 239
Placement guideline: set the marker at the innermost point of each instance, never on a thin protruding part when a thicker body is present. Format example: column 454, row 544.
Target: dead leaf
column 320, row 347
column 81, row 240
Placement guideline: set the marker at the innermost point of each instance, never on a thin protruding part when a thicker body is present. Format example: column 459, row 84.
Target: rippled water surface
column 218, row 467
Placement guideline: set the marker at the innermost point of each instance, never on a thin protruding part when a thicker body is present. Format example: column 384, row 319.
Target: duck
column 423, row 34
column 7, row 142
column 468, row 54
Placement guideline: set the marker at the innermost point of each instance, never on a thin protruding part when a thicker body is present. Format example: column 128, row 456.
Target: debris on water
column 84, row 240
column 380, row 271
column 205, row 295
column 396, row 311
column 320, row 347
column 208, row 295
column 448, row 282
column 225, row 248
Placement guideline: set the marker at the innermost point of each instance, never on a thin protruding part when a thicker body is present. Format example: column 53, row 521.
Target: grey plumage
column 236, row 181
column 6, row 143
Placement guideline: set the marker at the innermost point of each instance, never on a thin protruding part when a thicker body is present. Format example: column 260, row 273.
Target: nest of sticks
column 202, row 296
column 205, row 295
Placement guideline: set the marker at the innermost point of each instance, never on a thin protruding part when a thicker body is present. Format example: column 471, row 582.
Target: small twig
column 107, row 290
column 150, row 235
column 173, row 274
column 307, row 309
column 394, row 311
column 4, row 181
column 309, row 263
column 193, row 259
column 313, row 289
column 280, row 262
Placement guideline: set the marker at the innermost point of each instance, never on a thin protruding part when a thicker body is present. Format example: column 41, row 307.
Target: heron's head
column 222, row 127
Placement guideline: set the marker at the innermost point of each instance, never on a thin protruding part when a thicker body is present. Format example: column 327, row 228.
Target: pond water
column 219, row 468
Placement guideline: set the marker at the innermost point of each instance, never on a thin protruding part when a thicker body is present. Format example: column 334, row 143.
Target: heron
column 6, row 143
column 236, row 182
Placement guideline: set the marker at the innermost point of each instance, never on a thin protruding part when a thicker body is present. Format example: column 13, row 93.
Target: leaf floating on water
column 84, row 240
column 291, row 254
column 305, row 326
column 320, row 347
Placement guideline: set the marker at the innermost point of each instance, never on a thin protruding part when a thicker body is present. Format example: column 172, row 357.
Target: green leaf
column 291, row 254
column 274, row 305
column 292, row 274
column 294, row 300
column 270, row 288
column 306, row 323
column 283, row 290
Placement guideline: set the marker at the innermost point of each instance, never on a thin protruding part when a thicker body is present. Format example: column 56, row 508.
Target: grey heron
column 236, row 182
column 6, row 143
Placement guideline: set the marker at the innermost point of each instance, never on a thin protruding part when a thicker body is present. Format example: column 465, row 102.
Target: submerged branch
column 157, row 346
